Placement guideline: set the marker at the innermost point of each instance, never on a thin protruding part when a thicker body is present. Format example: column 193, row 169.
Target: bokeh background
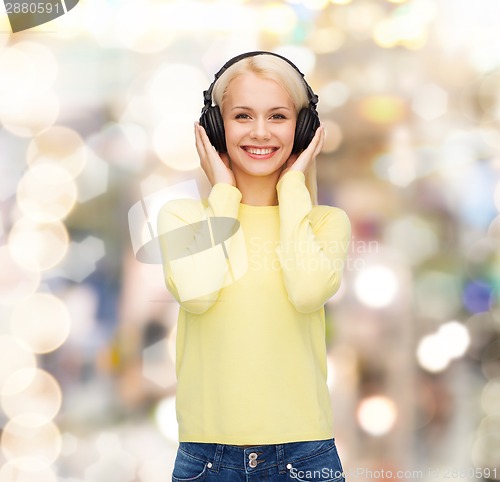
column 96, row 115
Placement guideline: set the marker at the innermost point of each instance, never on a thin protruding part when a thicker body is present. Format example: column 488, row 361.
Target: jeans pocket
column 322, row 467
column 188, row 468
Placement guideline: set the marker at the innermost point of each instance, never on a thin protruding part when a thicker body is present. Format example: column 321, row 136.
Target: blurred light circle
column 488, row 131
column 485, row 454
column 70, row 25
column 488, row 96
column 430, row 101
column 490, row 397
column 38, row 247
column 361, row 18
column 383, row 109
column 166, row 419
column 278, row 18
column 124, row 145
column 456, row 338
column 437, row 294
column 494, row 228
column 315, row 4
column 481, row 327
column 142, row 29
column 326, row 40
column 432, row 354
column 16, row 282
column 384, row 34
column 490, row 362
column 377, row 415
column 483, row 259
column 46, row 193
column 303, row 57
column 477, row 296
column 4, row 27
column 376, row 286
column 174, row 144
column 333, row 94
column 424, row 407
column 31, row 440
column 31, row 390
column 14, row 356
column 138, row 109
column 30, row 114
column 497, row 196
column 413, row 237
column 333, row 136
column 489, row 424
column 95, row 20
column 17, row 75
column 175, row 89
column 20, row 471
column 60, row 145
column 43, row 60
column 42, row 322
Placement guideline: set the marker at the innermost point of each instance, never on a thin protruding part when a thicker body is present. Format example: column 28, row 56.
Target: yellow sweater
column 252, row 282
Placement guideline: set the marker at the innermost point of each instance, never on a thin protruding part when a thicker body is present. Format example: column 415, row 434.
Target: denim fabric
column 315, row 461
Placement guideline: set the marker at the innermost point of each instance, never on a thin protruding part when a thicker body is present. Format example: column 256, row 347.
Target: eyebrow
column 249, row 108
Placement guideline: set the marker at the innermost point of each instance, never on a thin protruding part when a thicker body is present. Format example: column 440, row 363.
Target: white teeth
column 260, row 152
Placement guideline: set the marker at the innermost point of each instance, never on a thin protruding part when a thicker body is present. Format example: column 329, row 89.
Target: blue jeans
column 315, row 461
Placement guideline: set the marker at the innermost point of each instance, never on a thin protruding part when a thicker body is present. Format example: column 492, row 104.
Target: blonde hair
column 273, row 68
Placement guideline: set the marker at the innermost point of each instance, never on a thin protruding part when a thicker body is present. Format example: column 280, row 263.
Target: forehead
column 253, row 90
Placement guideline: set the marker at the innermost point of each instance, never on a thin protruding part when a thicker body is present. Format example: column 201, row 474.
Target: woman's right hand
column 216, row 166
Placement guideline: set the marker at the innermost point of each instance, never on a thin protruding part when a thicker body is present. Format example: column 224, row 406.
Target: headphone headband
column 207, row 94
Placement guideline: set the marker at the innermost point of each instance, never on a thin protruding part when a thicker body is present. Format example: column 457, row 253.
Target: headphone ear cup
column 305, row 128
column 212, row 122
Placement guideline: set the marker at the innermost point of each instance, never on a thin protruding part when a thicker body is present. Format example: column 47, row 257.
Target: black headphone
column 211, row 117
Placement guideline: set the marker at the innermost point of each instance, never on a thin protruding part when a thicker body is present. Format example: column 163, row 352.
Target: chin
column 257, row 167
column 260, row 170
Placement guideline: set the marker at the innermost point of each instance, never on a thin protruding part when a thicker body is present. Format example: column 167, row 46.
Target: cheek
column 288, row 135
column 231, row 132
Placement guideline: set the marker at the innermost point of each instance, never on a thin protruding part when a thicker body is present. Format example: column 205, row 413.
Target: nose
column 260, row 129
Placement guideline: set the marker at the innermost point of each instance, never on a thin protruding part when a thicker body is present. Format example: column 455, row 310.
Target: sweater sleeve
column 313, row 244
column 195, row 246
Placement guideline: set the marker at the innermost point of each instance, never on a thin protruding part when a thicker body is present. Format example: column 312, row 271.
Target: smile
column 260, row 152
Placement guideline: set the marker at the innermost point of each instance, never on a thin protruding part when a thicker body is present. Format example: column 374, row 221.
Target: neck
column 257, row 190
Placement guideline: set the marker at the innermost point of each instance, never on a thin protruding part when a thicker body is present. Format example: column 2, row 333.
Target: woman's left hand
column 307, row 156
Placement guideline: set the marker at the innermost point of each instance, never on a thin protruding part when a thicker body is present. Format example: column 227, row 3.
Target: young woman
column 251, row 268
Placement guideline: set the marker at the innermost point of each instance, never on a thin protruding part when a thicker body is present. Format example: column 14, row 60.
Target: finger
column 316, row 143
column 199, row 143
column 320, row 141
column 209, row 148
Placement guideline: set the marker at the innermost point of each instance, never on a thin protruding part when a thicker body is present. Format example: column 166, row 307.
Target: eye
column 278, row 116
column 242, row 116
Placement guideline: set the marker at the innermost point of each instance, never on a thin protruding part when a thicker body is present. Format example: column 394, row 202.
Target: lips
column 259, row 152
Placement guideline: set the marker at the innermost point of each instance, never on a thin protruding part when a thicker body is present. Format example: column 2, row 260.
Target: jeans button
column 252, row 463
column 253, row 456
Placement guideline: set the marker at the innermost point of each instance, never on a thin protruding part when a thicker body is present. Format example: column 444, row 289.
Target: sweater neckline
column 250, row 207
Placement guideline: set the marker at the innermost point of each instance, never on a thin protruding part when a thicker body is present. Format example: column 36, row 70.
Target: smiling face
column 259, row 122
